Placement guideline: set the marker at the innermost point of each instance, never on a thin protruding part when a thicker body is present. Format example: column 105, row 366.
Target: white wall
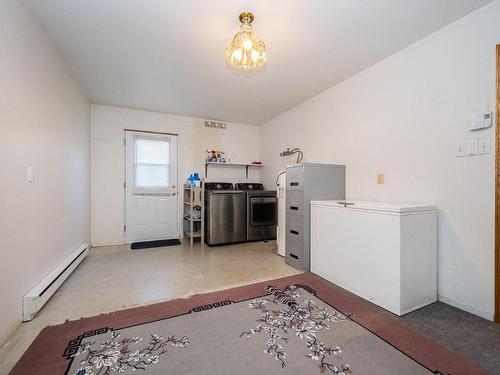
column 45, row 123
column 107, row 155
column 402, row 117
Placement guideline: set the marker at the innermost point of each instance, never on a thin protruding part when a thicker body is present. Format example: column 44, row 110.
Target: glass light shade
column 246, row 50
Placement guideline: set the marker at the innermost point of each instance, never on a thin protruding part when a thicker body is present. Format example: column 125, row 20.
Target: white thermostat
column 481, row 120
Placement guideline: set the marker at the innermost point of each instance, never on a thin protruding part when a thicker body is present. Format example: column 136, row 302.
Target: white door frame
column 125, row 177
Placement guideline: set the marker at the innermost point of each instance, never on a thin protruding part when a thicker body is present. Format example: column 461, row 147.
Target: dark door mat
column 158, row 243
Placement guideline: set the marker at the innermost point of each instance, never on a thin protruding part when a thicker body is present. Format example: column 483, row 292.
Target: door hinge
column 124, row 228
column 124, row 185
column 124, row 141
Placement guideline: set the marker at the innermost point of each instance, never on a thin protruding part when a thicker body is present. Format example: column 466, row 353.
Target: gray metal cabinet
column 306, row 182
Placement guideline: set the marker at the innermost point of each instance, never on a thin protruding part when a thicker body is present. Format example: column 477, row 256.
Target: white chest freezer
column 383, row 252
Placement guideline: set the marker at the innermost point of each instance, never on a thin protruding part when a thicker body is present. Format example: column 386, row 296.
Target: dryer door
column 262, row 211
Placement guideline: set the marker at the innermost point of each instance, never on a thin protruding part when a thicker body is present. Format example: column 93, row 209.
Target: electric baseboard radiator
column 40, row 294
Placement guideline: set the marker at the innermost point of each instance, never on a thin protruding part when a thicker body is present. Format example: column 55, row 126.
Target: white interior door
column 151, row 187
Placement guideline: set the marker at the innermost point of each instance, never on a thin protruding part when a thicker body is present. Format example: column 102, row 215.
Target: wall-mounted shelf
column 232, row 165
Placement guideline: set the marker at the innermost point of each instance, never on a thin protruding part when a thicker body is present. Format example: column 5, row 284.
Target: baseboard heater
column 34, row 300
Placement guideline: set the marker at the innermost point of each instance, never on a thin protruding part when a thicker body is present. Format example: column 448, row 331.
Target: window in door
column 151, row 164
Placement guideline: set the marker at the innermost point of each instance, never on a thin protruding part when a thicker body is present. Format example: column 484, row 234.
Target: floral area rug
column 284, row 326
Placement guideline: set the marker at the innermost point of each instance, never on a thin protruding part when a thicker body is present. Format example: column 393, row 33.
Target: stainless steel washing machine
column 225, row 214
column 261, row 212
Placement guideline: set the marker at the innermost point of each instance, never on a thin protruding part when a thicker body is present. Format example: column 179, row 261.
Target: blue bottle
column 196, row 179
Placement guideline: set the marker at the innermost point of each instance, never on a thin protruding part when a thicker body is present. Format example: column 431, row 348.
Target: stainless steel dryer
column 225, row 215
column 262, row 212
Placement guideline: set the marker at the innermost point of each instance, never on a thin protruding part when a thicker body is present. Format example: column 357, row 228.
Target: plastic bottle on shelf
column 196, row 180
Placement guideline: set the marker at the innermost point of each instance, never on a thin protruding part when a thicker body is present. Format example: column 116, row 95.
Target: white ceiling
column 168, row 55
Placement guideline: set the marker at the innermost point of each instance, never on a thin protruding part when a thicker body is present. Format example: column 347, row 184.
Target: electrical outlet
column 380, row 179
column 460, row 149
column 484, row 146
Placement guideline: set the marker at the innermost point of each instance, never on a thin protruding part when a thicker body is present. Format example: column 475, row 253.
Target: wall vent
column 215, row 124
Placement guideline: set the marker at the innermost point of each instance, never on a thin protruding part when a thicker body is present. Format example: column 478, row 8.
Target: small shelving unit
column 194, row 200
column 232, row 165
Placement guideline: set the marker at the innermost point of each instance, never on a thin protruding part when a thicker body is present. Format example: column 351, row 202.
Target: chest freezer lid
column 396, row 207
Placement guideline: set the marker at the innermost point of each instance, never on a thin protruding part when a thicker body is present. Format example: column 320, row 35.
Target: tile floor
column 115, row 277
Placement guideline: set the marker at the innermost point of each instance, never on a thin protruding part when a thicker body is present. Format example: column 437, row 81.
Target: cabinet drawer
column 295, row 225
column 295, row 202
column 295, row 178
column 294, row 248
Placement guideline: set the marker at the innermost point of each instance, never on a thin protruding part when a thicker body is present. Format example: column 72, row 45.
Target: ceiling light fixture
column 246, row 51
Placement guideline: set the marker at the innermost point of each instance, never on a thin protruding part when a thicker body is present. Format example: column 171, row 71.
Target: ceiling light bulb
column 247, row 44
column 237, row 55
column 246, row 50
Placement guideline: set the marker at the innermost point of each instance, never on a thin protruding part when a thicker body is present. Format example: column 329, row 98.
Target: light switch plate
column 29, row 174
column 471, row 147
column 460, row 149
column 484, row 146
